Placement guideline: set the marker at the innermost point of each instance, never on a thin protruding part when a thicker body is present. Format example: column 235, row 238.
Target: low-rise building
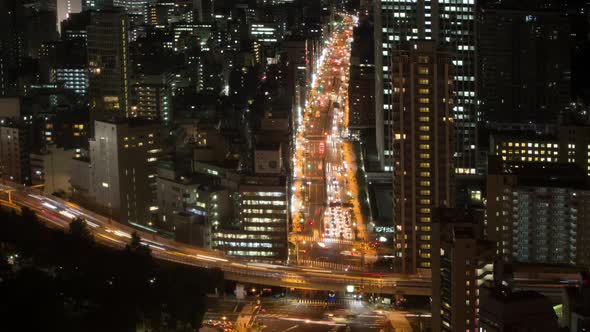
column 51, row 167
column 502, row 310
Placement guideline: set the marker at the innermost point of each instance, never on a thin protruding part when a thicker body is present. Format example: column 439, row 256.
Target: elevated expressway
column 57, row 213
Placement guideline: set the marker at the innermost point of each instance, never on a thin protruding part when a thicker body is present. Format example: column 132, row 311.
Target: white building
column 123, row 155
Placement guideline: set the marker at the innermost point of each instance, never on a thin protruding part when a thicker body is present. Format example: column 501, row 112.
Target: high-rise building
column 65, row 8
column 96, row 4
column 204, row 10
column 539, row 214
column 265, row 33
column 450, row 23
column 524, row 56
column 422, row 148
column 133, row 7
column 123, row 158
column 108, row 62
column 462, row 265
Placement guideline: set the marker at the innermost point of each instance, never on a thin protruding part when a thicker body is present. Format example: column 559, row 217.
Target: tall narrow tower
column 422, row 132
column 108, row 61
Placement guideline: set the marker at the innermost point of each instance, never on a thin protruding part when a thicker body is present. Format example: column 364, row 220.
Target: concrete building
column 463, row 267
column 153, row 101
column 65, row 8
column 264, row 33
column 51, row 167
column 451, row 24
column 15, row 147
column 268, row 159
column 522, row 148
column 421, row 147
column 133, row 7
column 200, row 196
column 123, row 157
column 539, row 214
column 524, row 56
column 108, row 63
column 502, row 310
column 261, row 233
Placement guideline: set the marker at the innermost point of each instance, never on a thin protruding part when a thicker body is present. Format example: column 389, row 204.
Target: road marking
column 291, row 328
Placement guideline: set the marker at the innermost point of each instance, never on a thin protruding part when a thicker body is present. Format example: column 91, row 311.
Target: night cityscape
column 295, row 165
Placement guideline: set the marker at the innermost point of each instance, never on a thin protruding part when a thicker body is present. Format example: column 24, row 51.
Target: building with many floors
column 462, row 265
column 422, row 147
column 539, row 213
column 119, row 177
column 448, row 23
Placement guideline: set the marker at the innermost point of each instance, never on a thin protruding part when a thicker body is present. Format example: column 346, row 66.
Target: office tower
column 96, row 4
column 64, row 62
column 75, row 27
column 539, row 214
column 503, row 310
column 15, row 163
column 65, row 8
column 462, row 265
column 524, row 56
column 123, row 158
column 108, row 62
column 40, row 27
column 448, row 23
column 422, row 150
column 361, row 88
column 262, row 232
column 204, row 10
column 133, row 7
column 524, row 147
column 12, row 45
column 264, row 33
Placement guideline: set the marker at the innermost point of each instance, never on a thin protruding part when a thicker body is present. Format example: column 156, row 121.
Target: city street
column 325, row 191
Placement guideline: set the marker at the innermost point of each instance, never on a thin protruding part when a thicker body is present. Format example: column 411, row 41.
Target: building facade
column 450, row 23
column 539, row 214
column 123, row 155
column 15, row 163
column 108, row 63
column 263, row 225
column 524, row 56
column 422, row 148
column 463, row 267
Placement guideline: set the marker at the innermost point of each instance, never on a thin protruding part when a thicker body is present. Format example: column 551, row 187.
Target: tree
column 79, row 231
column 136, row 246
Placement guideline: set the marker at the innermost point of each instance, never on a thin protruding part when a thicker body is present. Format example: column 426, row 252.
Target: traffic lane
column 276, row 324
column 366, row 323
